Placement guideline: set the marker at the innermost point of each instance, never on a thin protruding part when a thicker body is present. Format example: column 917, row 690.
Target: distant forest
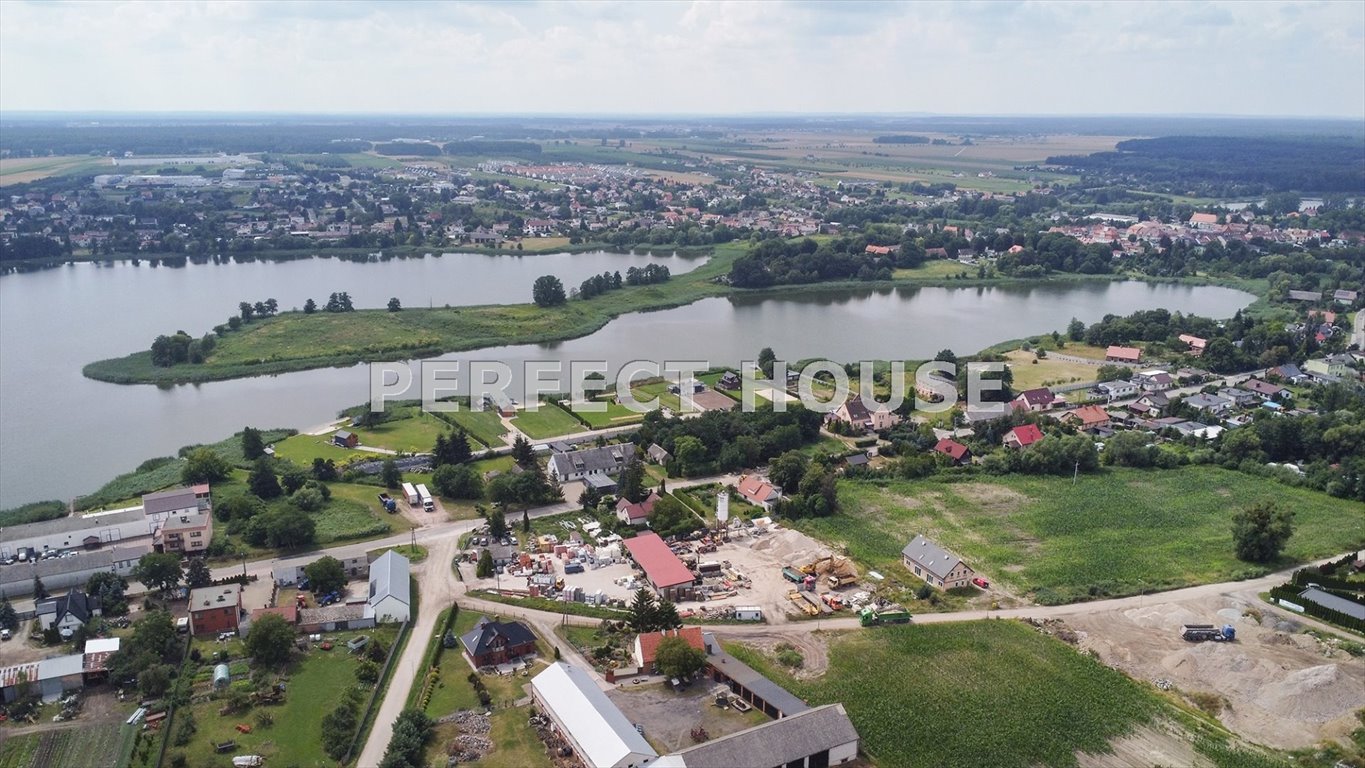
column 1231, row 166
column 901, row 139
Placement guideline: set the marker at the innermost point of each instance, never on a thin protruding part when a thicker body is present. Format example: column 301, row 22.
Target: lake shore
column 294, row 341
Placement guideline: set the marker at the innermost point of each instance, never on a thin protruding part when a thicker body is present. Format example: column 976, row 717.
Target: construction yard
column 1276, row 684
column 750, row 574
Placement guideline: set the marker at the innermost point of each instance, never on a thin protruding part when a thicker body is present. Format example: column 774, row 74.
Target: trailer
column 410, row 493
column 386, row 501
column 872, row 617
column 798, row 598
column 748, row 613
column 428, row 504
column 1198, row 633
column 819, row 604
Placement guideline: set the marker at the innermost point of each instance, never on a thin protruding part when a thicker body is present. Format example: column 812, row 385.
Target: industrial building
column 664, row 571
column 599, row 734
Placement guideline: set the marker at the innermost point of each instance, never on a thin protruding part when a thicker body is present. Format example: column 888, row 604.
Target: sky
column 757, row 56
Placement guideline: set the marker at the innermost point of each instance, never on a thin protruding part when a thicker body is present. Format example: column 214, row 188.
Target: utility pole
column 1076, row 474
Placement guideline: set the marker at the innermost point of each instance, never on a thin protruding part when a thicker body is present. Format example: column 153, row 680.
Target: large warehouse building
column 665, row 572
column 597, row 731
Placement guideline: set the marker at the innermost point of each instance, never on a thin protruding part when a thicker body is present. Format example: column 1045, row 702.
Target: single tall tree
column 1261, row 531
column 9, row 618
column 325, row 575
column 253, row 447
column 39, row 590
column 197, row 574
column 262, row 480
column 390, row 475
column 548, row 291
column 522, row 452
column 270, row 640
column 159, row 571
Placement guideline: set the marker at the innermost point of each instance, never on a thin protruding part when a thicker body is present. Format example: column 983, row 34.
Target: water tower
column 723, row 508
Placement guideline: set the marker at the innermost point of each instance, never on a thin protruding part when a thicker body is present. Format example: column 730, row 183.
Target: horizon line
column 19, row 113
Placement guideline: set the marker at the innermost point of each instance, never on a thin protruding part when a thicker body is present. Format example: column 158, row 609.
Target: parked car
column 980, row 582
column 4, row 634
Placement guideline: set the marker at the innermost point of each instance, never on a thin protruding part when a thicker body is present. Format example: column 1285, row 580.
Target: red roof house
column 1117, row 354
column 636, row 513
column 647, row 644
column 1023, row 436
column 954, row 450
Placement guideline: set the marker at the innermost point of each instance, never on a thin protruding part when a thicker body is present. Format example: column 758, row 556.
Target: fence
column 432, row 662
column 1291, row 594
column 184, row 679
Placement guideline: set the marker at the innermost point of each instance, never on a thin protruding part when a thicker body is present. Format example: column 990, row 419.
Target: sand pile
column 1315, row 694
column 789, row 547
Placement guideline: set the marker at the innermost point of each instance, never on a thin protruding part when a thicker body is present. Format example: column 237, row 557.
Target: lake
column 64, row 435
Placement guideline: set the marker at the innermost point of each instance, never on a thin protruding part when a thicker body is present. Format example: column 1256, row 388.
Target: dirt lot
column 18, row 650
column 668, row 717
column 1279, row 686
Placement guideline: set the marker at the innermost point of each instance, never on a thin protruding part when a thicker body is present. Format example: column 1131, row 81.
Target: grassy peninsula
column 294, row 341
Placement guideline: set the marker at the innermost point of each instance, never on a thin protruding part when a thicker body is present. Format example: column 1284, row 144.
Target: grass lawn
column 1030, row 372
column 646, row 392
column 616, row 415
column 484, row 426
column 549, row 420
column 302, row 449
column 1112, row 533
column 499, row 463
column 414, row 554
column 413, row 434
column 1019, row 699
column 316, row 683
column 936, row 269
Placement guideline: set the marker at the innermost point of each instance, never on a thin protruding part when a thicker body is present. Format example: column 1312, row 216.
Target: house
column 390, row 595
column 186, row 533
column 936, row 565
column 1305, row 295
column 1211, row 404
column 729, row 380
column 1117, row 354
column 657, row 454
column 176, row 501
column 576, row 465
column 636, row 513
column 1195, row 344
column 954, row 450
column 491, row 643
column 647, row 643
column 594, row 728
column 1343, row 296
column 356, row 567
column 343, row 439
column 603, row 484
column 500, row 554
column 1288, row 372
column 856, row 460
column 1023, row 436
column 288, row 612
column 759, row 492
column 1338, row 366
column 66, row 613
column 880, row 250
column 215, row 609
column 1087, row 417
column 1151, row 404
column 1154, row 380
column 855, row 413
column 1116, row 390
column 1034, row 400
column 1239, row 397
column 1204, row 221
column 1265, row 390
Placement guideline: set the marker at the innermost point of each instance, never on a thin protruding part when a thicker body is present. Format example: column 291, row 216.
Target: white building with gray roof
column 577, row 465
column 936, row 565
column 390, row 592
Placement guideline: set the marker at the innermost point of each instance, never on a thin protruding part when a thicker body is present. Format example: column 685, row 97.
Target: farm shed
column 599, row 734
column 663, row 568
column 816, row 738
column 763, row 694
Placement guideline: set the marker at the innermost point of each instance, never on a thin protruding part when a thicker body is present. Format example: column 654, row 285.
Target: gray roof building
column 789, row 740
column 609, row 459
column 931, row 557
column 175, row 500
column 780, row 699
column 1333, row 602
column 76, row 532
column 390, row 594
column 64, row 572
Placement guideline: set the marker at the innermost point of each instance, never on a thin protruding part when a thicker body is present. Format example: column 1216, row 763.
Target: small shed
column 343, row 439
column 221, row 677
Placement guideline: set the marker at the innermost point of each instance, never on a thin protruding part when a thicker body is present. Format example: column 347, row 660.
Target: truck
column 793, row 575
column 1198, row 633
column 838, row 581
column 873, row 617
column 410, row 493
column 424, row 495
column 386, row 501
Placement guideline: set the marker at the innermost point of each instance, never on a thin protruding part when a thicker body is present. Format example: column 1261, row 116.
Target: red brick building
column 215, row 609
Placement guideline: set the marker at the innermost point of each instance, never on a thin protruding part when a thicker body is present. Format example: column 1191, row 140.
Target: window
column 196, row 535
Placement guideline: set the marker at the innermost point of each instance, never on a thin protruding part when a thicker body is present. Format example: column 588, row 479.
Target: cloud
column 685, row 57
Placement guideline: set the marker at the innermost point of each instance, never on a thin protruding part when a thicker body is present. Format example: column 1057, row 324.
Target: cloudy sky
column 1255, row 58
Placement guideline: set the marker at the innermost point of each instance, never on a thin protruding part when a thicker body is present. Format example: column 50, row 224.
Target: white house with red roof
column 1023, row 436
column 636, row 513
column 759, row 492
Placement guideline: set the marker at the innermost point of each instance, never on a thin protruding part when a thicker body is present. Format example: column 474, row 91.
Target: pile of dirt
column 1316, row 694
column 789, row 547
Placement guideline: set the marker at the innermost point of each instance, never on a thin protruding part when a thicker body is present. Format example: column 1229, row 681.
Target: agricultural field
column 316, row 682
column 21, row 170
column 549, row 420
column 1108, row 534
column 994, row 693
column 87, row 745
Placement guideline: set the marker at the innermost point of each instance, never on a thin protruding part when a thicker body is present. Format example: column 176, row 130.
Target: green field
column 484, row 426
column 986, row 693
column 316, row 683
column 302, row 449
column 549, row 420
column 415, row 433
column 616, row 415
column 87, row 745
column 1112, row 533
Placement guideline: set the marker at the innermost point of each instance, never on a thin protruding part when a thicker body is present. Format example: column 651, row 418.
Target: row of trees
column 725, row 441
